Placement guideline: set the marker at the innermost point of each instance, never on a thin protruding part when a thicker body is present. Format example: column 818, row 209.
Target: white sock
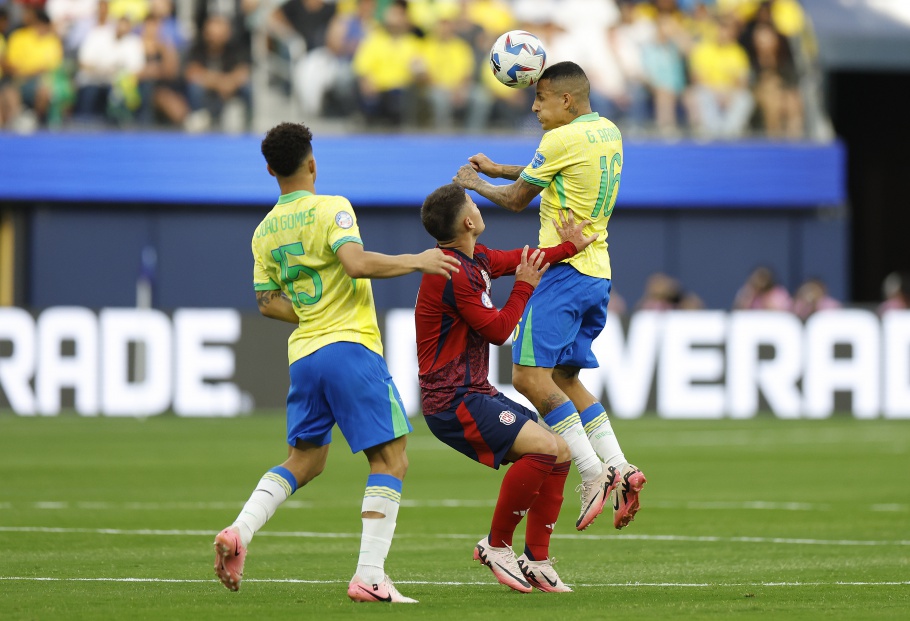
column 274, row 488
column 600, row 433
column 565, row 421
column 383, row 495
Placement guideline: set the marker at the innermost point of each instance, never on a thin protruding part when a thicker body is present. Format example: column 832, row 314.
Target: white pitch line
column 748, row 505
column 453, row 583
column 585, row 537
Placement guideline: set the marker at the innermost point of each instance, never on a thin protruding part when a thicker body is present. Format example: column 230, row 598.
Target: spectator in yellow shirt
column 720, row 72
column 387, row 64
column 450, row 73
column 34, row 51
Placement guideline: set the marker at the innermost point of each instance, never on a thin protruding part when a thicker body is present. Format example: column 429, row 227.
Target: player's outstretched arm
column 275, row 305
column 514, row 197
column 359, row 263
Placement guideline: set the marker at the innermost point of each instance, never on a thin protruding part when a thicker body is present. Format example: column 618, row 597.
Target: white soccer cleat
column 594, row 495
column 541, row 575
column 503, row 564
column 385, row 591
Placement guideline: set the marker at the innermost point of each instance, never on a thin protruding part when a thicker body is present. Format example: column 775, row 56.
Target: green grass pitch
column 113, row 519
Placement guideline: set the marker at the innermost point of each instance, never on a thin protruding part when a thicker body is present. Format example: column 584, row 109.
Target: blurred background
column 764, row 162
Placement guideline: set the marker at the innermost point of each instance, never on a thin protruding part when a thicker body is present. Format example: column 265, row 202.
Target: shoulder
column 332, row 206
column 482, row 255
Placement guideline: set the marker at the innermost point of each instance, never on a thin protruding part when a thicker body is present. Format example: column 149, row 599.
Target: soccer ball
column 517, row 59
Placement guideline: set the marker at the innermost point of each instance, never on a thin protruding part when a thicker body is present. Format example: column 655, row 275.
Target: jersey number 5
column 609, row 179
column 292, row 273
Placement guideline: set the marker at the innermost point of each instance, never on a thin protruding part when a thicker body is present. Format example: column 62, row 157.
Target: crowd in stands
column 710, row 68
column 762, row 291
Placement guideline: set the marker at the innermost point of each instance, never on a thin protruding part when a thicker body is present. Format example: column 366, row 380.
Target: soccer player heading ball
column 576, row 168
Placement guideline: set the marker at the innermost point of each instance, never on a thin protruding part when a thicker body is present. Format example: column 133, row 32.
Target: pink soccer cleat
column 594, row 495
column 503, row 564
column 385, row 591
column 229, row 557
column 625, row 496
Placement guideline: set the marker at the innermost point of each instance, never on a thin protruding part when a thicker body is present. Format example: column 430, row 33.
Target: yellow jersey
column 579, row 167
column 387, row 61
column 455, row 55
column 294, row 250
column 719, row 66
column 31, row 53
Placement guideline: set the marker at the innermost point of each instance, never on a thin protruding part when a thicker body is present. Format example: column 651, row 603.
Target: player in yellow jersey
column 576, row 168
column 310, row 269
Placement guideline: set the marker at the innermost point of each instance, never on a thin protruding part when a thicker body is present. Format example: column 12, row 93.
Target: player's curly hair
column 439, row 212
column 286, row 146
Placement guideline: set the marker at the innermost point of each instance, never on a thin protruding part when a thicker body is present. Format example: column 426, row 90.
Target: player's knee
column 549, row 445
column 543, row 442
column 524, row 380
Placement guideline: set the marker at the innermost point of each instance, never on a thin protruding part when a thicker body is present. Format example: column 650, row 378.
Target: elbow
column 356, row 271
column 515, row 205
column 499, row 338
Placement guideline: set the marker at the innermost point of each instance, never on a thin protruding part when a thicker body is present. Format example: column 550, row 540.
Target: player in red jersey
column 456, row 322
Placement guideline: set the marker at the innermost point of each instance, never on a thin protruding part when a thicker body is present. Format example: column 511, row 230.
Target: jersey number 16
column 609, row 179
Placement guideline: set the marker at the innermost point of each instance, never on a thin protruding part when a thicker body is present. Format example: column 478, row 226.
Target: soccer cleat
column 594, row 495
column 502, row 563
column 541, row 575
column 385, row 591
column 625, row 496
column 229, row 557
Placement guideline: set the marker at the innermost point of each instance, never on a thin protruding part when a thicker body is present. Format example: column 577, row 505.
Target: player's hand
column 435, row 261
column 467, row 177
column 481, row 163
column 570, row 231
column 532, row 267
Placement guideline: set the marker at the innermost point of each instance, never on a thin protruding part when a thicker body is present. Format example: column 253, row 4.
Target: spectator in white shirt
column 110, row 60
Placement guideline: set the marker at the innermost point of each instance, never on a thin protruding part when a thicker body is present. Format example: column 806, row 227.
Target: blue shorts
column 348, row 384
column 483, row 427
column 566, row 312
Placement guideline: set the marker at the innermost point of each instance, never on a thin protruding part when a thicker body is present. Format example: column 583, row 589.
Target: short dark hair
column 286, row 146
column 440, row 210
column 571, row 75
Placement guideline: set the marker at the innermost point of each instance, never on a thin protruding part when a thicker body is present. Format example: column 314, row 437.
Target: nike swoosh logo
column 521, row 580
column 547, row 578
column 387, row 598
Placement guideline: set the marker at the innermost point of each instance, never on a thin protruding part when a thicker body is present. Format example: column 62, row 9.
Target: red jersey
column 457, row 321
